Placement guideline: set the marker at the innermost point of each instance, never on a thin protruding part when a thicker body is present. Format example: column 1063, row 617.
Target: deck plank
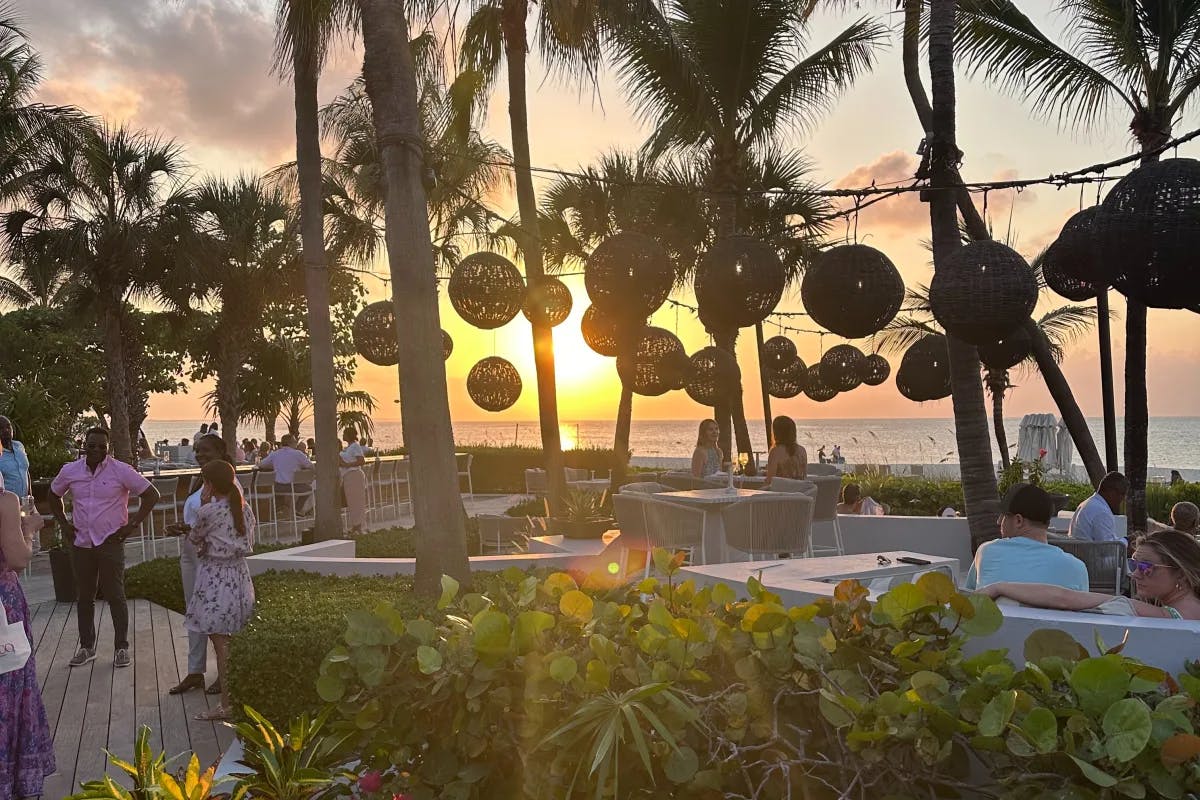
column 145, row 674
column 60, row 628
column 121, row 727
column 170, row 707
column 91, row 759
column 202, row 735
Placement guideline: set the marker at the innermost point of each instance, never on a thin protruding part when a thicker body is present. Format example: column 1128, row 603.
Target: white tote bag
column 14, row 646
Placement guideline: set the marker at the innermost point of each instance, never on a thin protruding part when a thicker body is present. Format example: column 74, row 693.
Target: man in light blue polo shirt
column 14, row 463
column 1022, row 554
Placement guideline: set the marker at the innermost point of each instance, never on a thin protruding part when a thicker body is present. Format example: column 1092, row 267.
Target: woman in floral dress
column 223, row 600
column 26, row 749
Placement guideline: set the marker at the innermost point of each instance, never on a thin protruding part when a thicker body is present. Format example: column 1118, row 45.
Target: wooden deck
column 96, row 708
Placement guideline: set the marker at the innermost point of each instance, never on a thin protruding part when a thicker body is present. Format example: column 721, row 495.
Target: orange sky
column 198, row 71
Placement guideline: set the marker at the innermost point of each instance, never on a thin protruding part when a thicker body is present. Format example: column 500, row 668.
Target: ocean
column 1174, row 442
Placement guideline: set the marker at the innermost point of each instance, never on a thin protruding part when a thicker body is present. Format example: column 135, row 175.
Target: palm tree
column 1061, row 326
column 389, row 74
column 570, row 36
column 104, row 207
column 304, row 30
column 722, row 82
column 1139, row 55
column 244, row 256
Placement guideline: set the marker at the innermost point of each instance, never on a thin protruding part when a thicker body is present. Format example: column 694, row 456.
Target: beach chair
column 258, row 489
column 536, row 483
column 771, row 525
column 168, row 506
column 381, row 483
column 500, row 533
column 829, row 488
column 464, row 461
column 401, row 487
column 673, row 526
column 298, row 496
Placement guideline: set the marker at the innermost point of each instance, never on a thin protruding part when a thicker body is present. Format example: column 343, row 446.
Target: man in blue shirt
column 1022, row 554
column 14, row 463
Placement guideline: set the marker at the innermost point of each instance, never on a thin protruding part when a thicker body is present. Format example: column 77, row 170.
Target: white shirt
column 351, row 452
column 191, row 508
column 1094, row 521
column 286, row 461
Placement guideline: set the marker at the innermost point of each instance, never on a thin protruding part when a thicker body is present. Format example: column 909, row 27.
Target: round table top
column 710, row 496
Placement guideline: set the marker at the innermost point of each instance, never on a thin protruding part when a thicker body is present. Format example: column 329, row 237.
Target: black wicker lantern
column 629, row 275
column 788, row 382
column 1149, row 230
column 852, row 290
column 656, row 364
column 548, row 302
column 840, row 367
column 739, row 282
column 924, row 372
column 494, row 384
column 1008, row 352
column 486, row 290
column 600, row 332
column 1053, row 262
column 983, row 292
column 818, row 389
column 713, row 376
column 374, row 334
column 1081, row 256
column 778, row 352
column 874, row 370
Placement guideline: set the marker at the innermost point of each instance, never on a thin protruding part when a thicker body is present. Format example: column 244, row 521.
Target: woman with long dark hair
column 786, row 458
column 208, row 448
column 706, row 458
column 223, row 599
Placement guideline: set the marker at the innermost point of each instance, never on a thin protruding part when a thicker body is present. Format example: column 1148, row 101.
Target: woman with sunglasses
column 1165, row 570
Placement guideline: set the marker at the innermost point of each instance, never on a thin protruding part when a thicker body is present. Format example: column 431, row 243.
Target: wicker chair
column 643, row 487
column 673, row 526
column 536, row 484
column 829, row 488
column 791, row 485
column 501, row 533
column 682, row 481
column 1105, row 561
column 769, row 525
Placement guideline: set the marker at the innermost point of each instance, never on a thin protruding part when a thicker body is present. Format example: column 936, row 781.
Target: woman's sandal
column 218, row 714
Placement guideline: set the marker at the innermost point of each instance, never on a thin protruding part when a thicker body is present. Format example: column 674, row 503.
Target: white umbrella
column 1065, row 453
column 1038, row 432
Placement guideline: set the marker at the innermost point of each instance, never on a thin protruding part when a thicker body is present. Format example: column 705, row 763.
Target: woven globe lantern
column 494, row 384
column 840, row 367
column 852, row 290
column 548, row 302
column 818, row 389
column 788, row 382
column 656, row 364
column 601, row 332
column 1149, row 230
column 739, row 282
column 1080, row 255
column 778, row 352
column 713, row 376
column 1008, row 352
column 983, row 292
column 629, row 275
column 924, row 372
column 874, row 370
column 486, row 290
column 374, row 333
column 1052, row 262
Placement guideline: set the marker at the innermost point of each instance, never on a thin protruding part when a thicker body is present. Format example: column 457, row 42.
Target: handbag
column 14, row 646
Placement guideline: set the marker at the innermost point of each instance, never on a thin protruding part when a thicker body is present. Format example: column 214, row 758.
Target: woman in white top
column 354, row 480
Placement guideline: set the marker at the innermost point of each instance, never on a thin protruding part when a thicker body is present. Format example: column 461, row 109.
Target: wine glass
column 742, row 460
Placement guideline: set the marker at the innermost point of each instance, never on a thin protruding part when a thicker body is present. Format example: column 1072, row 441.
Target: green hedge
column 159, row 580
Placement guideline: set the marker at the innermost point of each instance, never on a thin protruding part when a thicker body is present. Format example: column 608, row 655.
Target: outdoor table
column 711, row 501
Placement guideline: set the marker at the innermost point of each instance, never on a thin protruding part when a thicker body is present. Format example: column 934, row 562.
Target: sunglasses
column 1143, row 568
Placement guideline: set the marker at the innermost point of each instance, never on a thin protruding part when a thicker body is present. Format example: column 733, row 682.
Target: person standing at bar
column 100, row 488
column 14, row 463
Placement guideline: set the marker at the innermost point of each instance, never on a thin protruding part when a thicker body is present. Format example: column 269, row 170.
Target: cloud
column 905, row 214
column 195, row 71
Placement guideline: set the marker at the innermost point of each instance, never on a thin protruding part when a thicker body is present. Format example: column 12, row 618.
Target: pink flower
column 371, row 781
column 1042, row 453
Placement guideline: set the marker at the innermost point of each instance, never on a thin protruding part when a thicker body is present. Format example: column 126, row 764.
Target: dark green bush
column 273, row 662
column 527, row 508
column 1160, row 497
column 159, row 580
column 401, row 542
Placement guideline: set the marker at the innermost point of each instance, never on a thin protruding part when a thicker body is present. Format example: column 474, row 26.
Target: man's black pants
column 103, row 566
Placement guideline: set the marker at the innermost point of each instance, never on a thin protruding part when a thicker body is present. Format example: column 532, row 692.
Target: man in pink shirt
column 100, row 488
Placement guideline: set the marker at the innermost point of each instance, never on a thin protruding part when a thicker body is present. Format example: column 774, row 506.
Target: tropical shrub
column 558, row 688
column 159, row 580
column 400, row 542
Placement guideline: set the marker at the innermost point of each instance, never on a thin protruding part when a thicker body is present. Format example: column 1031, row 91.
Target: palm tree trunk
column 621, row 437
column 731, row 415
column 1104, row 334
column 970, row 415
column 229, row 395
column 114, row 363
column 316, row 291
column 390, row 76
column 269, row 428
column 515, row 51
column 997, row 383
column 762, row 379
